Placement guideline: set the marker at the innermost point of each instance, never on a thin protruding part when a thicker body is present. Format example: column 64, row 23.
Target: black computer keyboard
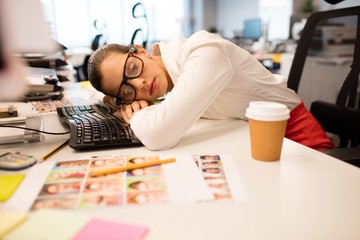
column 94, row 126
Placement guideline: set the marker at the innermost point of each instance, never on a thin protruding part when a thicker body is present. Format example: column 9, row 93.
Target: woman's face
column 138, row 160
column 150, row 85
column 99, row 162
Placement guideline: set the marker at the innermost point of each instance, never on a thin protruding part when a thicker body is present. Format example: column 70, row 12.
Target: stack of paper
column 64, row 225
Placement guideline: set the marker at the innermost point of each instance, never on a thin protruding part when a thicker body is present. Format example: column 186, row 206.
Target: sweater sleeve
column 206, row 72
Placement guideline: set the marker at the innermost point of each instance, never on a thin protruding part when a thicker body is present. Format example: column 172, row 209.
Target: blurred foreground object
column 23, row 32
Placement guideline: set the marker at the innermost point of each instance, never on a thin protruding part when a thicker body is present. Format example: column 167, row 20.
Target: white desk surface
column 305, row 195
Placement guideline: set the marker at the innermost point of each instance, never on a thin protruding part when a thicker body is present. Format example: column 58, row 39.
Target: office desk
column 305, row 195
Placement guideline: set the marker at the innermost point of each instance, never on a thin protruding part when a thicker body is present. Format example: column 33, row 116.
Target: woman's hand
column 127, row 111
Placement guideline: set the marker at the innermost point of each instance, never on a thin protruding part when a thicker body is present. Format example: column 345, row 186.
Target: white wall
column 72, row 21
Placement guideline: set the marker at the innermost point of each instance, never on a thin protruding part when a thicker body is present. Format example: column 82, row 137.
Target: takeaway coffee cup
column 267, row 124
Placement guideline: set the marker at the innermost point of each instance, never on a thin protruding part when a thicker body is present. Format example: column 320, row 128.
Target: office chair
column 343, row 117
column 138, row 11
column 96, row 43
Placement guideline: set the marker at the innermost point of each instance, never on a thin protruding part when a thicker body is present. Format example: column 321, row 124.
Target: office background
column 289, row 198
column 71, row 22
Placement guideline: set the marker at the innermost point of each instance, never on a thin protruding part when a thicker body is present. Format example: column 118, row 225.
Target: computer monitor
column 252, row 29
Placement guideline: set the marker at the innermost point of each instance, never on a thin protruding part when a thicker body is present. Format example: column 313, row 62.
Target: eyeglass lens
column 133, row 67
column 127, row 92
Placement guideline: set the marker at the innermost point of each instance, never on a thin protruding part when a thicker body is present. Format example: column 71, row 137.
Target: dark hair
column 96, row 59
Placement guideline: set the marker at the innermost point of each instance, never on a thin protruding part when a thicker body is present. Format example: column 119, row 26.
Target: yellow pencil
column 95, row 173
column 46, row 156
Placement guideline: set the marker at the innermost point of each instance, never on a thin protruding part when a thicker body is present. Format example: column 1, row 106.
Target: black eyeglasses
column 133, row 68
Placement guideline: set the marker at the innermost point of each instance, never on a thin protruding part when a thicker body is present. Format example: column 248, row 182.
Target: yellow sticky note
column 49, row 224
column 9, row 221
column 8, row 184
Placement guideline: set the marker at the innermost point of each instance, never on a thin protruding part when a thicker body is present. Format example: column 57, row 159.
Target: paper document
column 190, row 179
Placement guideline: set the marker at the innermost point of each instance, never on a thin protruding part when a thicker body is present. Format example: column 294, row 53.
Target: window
column 72, row 21
column 275, row 15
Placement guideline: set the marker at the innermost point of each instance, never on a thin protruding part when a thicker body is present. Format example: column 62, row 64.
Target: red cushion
column 303, row 128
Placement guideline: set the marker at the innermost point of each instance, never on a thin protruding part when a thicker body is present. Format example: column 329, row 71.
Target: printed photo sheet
column 191, row 178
